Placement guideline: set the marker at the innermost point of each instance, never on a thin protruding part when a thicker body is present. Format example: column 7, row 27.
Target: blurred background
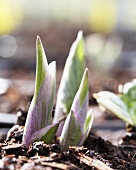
column 109, row 28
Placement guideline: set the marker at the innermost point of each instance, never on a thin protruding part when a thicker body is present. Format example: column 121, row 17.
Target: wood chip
column 13, row 146
column 99, row 165
column 58, row 165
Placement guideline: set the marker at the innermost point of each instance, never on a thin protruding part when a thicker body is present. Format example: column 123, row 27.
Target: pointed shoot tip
column 38, row 42
column 38, row 38
column 85, row 75
column 86, row 71
column 80, row 34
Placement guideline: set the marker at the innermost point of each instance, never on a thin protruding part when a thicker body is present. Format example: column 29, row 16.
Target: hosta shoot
column 70, row 82
column 79, row 121
column 39, row 119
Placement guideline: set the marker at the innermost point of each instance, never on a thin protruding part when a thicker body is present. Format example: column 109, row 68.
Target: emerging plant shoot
column 39, row 119
column 79, row 121
column 70, row 82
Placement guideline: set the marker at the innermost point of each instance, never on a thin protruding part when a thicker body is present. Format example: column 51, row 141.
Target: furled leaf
column 71, row 133
column 40, row 111
column 78, row 122
column 114, row 104
column 87, row 127
column 71, row 78
column 88, row 121
column 42, row 65
column 80, row 103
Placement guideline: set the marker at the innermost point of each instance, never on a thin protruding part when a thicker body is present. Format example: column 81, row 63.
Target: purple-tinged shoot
column 70, row 81
column 39, row 119
column 79, row 121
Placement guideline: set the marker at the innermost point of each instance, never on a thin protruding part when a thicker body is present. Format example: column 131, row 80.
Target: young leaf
column 44, row 134
column 70, row 82
column 71, row 133
column 114, row 104
column 80, row 103
column 42, row 65
column 88, row 122
column 126, row 87
column 40, row 111
column 78, row 122
column 129, row 93
column 129, row 98
column 87, row 127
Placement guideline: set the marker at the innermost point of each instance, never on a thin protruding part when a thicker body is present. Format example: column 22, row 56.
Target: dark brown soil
column 96, row 154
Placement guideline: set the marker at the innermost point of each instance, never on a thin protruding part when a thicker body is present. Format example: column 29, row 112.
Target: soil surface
column 97, row 154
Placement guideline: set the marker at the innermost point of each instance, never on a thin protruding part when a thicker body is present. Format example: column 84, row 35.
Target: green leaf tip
column 84, row 87
column 41, row 65
column 77, row 49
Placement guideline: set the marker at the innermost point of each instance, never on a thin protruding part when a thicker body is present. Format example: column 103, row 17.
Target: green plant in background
column 70, row 82
column 122, row 105
column 129, row 97
column 73, row 93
